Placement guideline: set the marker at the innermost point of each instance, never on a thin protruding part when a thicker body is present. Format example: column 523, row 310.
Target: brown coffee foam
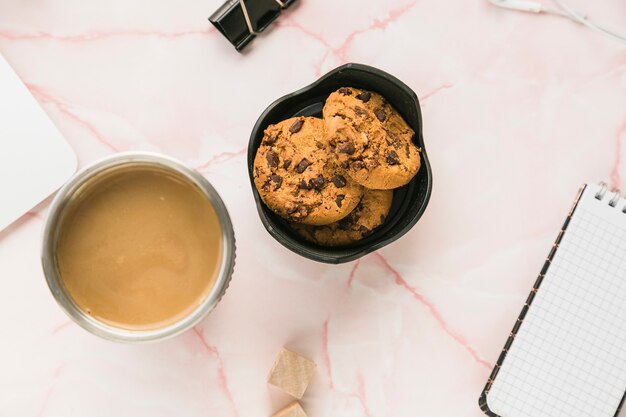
column 139, row 248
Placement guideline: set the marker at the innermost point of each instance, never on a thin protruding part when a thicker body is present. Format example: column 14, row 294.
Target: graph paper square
column 568, row 358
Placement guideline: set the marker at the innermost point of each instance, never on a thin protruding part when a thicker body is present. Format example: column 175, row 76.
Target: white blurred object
column 35, row 159
column 563, row 10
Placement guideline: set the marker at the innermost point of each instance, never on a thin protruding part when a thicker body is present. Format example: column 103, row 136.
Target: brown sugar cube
column 291, row 373
column 292, row 410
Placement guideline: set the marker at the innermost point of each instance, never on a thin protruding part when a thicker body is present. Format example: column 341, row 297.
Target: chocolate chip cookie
column 296, row 178
column 368, row 215
column 371, row 141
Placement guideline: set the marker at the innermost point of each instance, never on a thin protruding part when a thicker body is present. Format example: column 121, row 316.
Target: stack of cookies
column 333, row 178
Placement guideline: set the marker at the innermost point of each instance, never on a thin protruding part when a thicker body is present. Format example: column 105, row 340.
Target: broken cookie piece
column 291, row 373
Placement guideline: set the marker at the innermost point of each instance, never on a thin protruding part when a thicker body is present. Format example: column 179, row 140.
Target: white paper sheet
column 35, row 159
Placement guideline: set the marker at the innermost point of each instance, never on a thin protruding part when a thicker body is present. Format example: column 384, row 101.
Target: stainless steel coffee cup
column 81, row 181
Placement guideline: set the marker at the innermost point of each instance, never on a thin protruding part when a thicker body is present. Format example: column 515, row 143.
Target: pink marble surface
column 519, row 110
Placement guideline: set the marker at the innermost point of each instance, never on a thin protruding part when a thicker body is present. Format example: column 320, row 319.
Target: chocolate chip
column 287, row 164
column 392, row 136
column 272, row 159
column 382, row 218
column 393, row 140
column 358, row 165
column 339, row 200
column 380, row 114
column 360, row 111
column 364, row 96
column 277, row 180
column 339, row 181
column 345, row 223
column 363, row 229
column 302, row 166
column 319, row 145
column 347, row 147
column 305, row 186
column 270, row 140
column 345, row 91
column 345, row 164
column 296, row 126
column 392, row 158
column 317, row 183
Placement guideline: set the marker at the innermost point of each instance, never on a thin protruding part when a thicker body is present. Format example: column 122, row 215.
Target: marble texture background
column 519, row 110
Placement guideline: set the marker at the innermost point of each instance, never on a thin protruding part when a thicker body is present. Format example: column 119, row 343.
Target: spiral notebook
column 566, row 354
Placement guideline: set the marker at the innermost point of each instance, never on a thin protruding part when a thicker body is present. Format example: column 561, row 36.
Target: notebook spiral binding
column 604, row 191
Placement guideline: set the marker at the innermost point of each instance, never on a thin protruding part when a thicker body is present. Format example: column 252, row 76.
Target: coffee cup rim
column 50, row 236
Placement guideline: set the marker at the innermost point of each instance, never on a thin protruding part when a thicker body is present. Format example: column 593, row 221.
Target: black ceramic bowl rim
column 336, row 255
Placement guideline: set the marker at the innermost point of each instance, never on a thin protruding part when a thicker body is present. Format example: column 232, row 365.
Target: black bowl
column 409, row 201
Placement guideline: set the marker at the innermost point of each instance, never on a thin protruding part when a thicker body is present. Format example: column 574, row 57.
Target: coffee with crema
column 139, row 248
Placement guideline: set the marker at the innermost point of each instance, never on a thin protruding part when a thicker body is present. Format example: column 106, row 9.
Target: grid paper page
column 569, row 356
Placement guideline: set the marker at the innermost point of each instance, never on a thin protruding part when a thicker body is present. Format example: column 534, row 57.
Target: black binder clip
column 241, row 20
